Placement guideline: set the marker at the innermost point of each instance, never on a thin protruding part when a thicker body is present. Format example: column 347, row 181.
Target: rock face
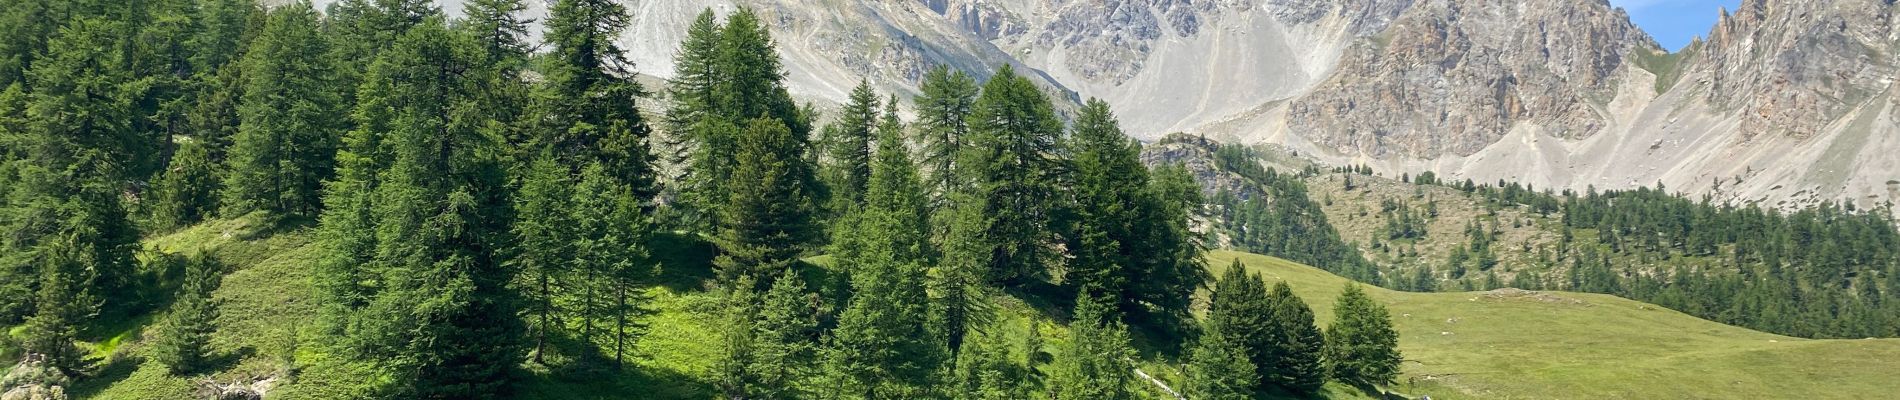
column 1785, row 101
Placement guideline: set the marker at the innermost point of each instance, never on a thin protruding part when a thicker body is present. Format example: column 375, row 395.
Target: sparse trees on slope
column 65, row 302
column 283, row 149
column 1361, row 346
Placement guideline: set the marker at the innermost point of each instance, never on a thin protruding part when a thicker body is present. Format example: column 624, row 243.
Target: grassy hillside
column 1501, row 344
column 1515, row 344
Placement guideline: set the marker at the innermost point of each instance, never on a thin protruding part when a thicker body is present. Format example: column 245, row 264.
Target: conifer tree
column 988, row 368
column 848, row 149
column 1298, row 369
column 1096, row 361
column 283, row 149
column 544, row 229
column 589, row 98
column 441, row 319
column 1218, row 368
column 187, row 191
column 766, row 340
column 65, row 302
column 609, row 251
column 1012, row 162
column 958, row 282
column 699, row 142
column 767, row 219
column 1361, row 346
column 184, row 338
column 1240, row 308
column 882, row 347
column 943, row 112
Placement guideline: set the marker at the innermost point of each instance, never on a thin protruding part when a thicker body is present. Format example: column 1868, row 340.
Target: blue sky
column 1674, row 22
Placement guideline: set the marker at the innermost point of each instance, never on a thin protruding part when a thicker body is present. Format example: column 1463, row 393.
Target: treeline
column 1277, row 217
column 480, row 205
column 1829, row 271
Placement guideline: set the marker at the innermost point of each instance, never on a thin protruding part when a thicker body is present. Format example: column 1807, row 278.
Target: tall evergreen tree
column 184, row 339
column 65, row 302
column 1218, row 368
column 699, row 143
column 441, row 319
column 943, row 126
column 847, row 169
column 283, row 151
column 767, row 340
column 1298, row 368
column 1011, row 158
column 768, row 217
column 589, row 98
column 545, row 232
column 959, row 281
column 609, row 253
column 1361, row 346
column 1096, row 362
column 187, row 191
column 882, row 347
column 1130, row 240
column 1241, row 309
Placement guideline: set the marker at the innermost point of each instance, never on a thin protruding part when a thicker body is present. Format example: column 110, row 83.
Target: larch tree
column 943, row 126
column 1014, row 171
column 545, row 232
column 1361, row 345
column 847, row 148
column 1218, row 368
column 1299, row 368
column 284, row 147
column 589, row 99
column 883, row 347
column 1096, row 362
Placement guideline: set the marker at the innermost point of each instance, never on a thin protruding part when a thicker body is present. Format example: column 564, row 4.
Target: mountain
column 1785, row 101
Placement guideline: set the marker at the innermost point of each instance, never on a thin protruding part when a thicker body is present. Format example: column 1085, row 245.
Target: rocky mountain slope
column 1785, row 101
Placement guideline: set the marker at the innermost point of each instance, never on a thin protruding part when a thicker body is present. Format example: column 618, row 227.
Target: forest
column 483, row 205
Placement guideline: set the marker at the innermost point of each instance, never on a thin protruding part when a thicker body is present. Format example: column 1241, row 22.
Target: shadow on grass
column 113, row 370
column 581, row 370
column 686, row 260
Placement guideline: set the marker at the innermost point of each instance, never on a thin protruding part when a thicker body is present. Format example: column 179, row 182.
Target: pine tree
column 589, row 98
column 767, row 219
column 1011, row 159
column 64, row 303
column 1298, row 368
column 943, row 112
column 988, row 368
column 184, row 338
column 1096, row 361
column 1218, row 368
column 1107, row 178
column 767, row 340
column 441, row 320
column 847, row 169
column 544, row 229
column 283, row 150
column 882, row 347
column 1240, row 307
column 187, row 191
column 1361, row 346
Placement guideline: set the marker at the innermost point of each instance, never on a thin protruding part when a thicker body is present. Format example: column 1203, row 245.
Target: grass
column 1456, row 345
column 1579, row 345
